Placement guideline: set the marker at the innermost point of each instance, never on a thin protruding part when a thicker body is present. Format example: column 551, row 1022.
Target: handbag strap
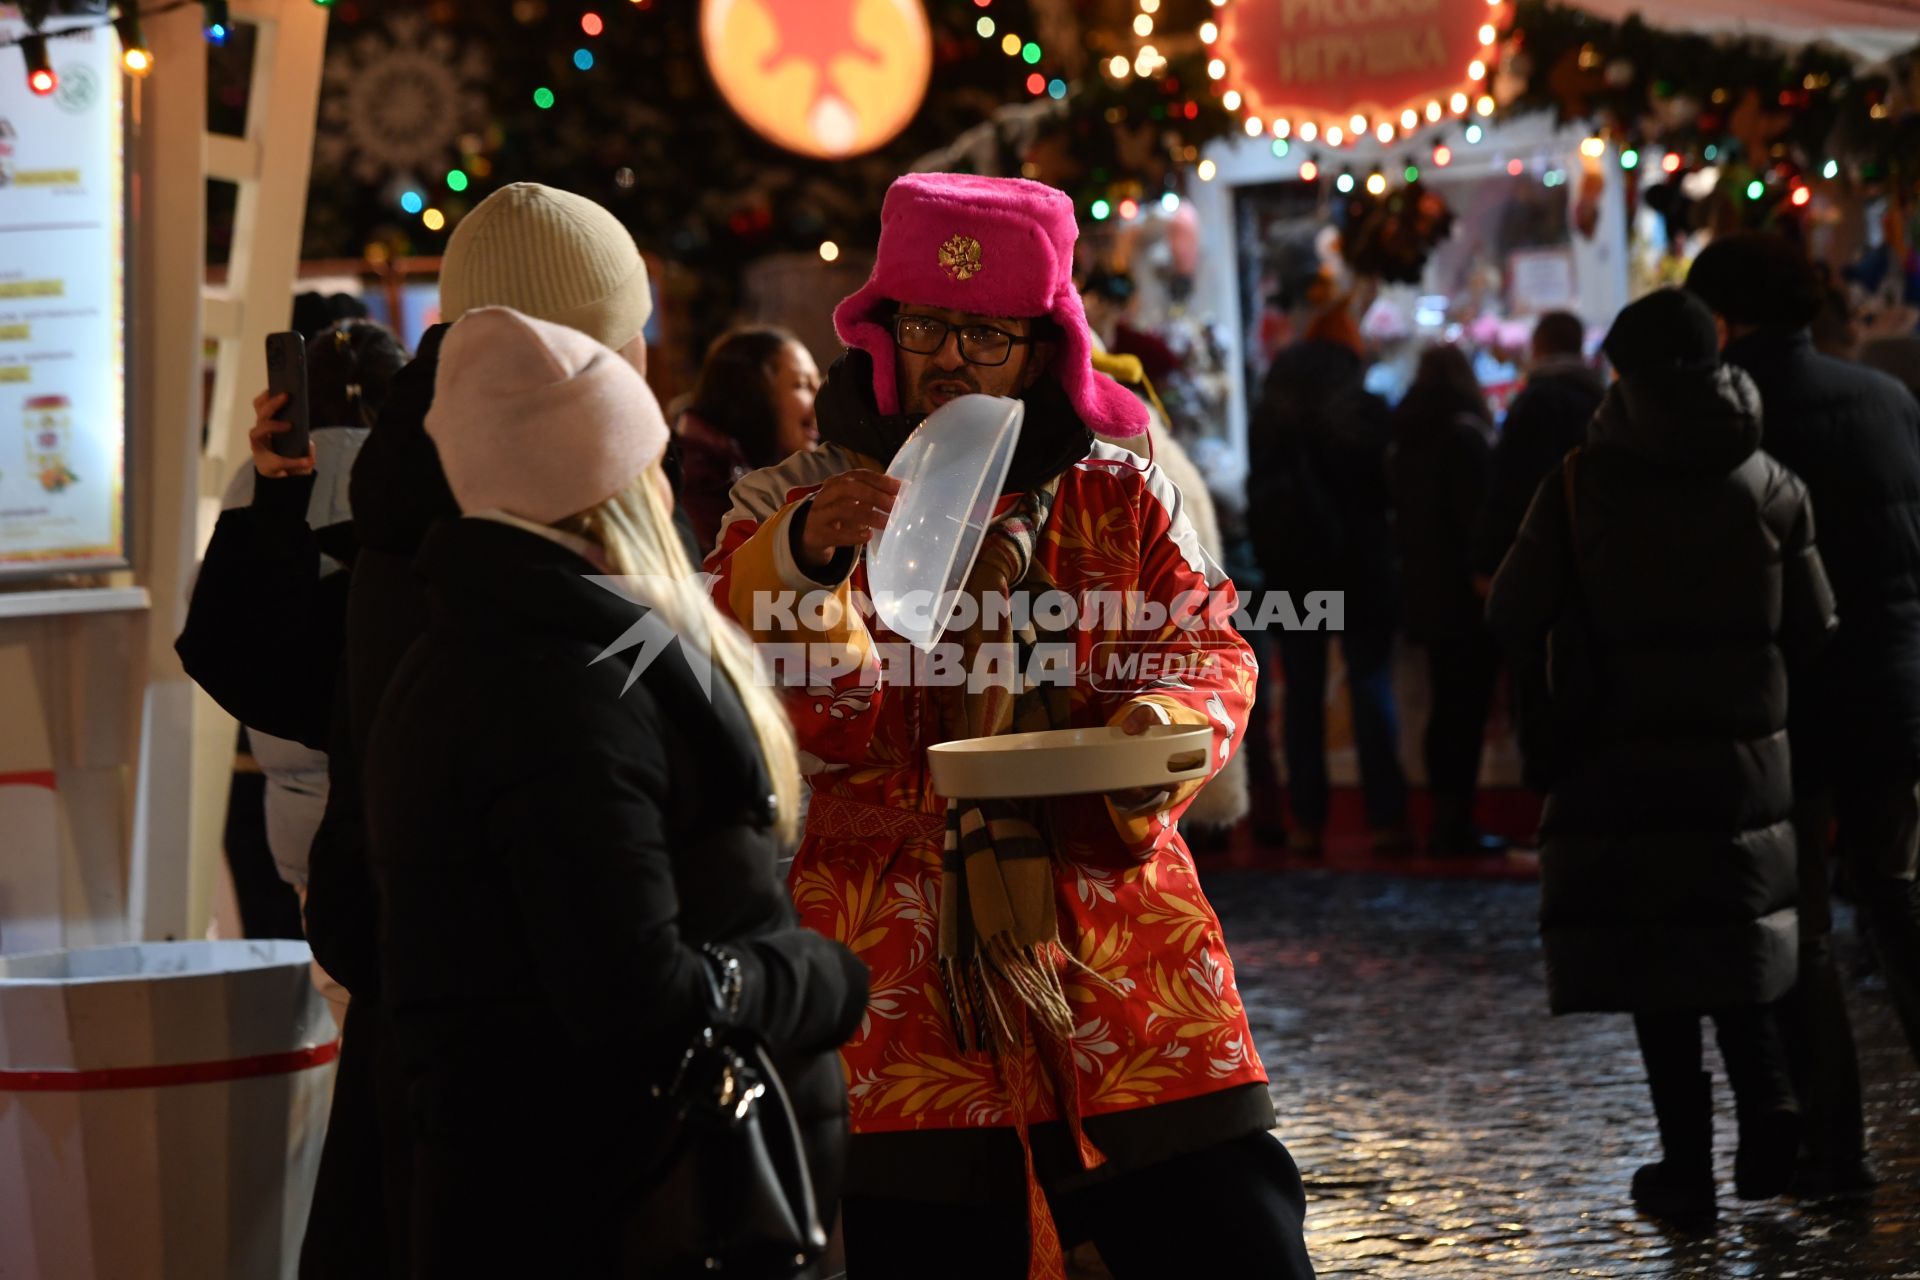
column 781, row 1126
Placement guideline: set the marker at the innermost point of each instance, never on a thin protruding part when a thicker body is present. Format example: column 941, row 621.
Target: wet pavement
column 1448, row 1127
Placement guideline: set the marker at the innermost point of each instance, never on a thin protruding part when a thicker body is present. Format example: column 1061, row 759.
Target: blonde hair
column 635, row 529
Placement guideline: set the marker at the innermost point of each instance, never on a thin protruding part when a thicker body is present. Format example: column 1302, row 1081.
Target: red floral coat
column 1167, row 1022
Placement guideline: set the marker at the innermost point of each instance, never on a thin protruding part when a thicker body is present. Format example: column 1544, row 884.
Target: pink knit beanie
column 537, row 419
column 995, row 246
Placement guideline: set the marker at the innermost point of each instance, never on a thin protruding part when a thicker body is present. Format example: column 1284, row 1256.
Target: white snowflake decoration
column 398, row 100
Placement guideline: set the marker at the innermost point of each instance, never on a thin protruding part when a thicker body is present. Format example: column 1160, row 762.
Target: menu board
column 62, row 307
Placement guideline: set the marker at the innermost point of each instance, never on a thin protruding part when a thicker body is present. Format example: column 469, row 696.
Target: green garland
column 1748, row 99
column 645, row 131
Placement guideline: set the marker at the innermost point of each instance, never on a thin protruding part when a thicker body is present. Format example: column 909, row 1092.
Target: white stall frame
column 140, row 785
column 1600, row 263
column 187, row 743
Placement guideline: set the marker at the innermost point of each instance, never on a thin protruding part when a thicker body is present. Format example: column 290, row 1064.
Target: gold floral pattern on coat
column 1157, row 1017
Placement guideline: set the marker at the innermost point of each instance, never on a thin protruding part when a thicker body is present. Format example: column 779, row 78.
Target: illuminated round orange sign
column 825, row 78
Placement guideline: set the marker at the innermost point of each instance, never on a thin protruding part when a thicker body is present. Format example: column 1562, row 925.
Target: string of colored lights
column 1026, row 51
column 136, row 56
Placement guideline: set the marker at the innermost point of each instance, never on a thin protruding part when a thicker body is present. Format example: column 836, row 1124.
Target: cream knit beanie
column 552, row 255
column 538, row 420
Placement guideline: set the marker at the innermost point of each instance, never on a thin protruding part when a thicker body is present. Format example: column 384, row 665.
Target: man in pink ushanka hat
column 1055, row 1047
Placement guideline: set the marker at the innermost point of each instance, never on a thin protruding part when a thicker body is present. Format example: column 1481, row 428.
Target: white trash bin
column 162, row 1107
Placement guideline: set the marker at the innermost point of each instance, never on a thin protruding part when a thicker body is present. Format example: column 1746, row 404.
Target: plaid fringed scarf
column 999, row 939
column 1001, row 958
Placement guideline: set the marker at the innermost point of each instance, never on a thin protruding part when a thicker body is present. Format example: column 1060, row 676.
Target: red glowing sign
column 1332, row 60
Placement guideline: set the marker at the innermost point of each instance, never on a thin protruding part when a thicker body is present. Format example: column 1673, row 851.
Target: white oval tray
column 1066, row 762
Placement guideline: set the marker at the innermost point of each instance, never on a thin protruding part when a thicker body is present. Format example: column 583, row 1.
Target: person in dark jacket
column 357, row 1225
column 752, row 408
column 1853, row 435
column 315, row 312
column 1438, row 472
column 1547, row 418
column 1669, row 568
column 1317, row 510
column 550, row 254
column 591, row 845
column 271, row 594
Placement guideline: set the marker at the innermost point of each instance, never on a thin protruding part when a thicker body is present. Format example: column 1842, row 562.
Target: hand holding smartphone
column 287, row 375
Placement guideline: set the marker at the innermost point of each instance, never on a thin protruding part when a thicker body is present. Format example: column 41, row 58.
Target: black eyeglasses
column 980, row 344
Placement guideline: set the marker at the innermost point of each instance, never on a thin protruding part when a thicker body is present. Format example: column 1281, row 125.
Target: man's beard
column 923, row 393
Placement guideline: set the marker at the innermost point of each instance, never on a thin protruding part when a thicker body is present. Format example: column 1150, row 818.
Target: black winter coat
column 1317, row 482
column 1438, row 473
column 551, row 852
column 264, row 629
column 1853, row 435
column 1547, row 418
column 1667, row 864
column 398, row 493
column 357, row 1227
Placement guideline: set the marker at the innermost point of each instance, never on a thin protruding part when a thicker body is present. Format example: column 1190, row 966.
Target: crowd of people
column 547, row 887
column 1408, row 510
column 1719, row 710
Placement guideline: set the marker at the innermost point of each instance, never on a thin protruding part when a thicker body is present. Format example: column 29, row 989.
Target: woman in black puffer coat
column 1664, row 583
column 576, row 858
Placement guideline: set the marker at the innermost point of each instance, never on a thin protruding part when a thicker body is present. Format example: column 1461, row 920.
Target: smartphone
column 287, row 376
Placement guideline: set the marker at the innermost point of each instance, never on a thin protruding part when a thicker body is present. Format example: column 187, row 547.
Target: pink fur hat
column 995, row 246
column 537, row 419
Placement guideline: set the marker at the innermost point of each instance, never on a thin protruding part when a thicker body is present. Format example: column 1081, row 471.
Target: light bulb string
column 154, row 11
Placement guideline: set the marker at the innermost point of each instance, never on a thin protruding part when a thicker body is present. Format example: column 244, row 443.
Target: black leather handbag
column 732, row 1194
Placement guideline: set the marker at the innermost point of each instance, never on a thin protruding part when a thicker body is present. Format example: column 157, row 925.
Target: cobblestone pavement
column 1448, row 1127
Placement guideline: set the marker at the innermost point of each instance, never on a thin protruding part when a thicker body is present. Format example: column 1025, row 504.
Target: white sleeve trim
column 760, row 495
column 1167, row 494
column 791, row 575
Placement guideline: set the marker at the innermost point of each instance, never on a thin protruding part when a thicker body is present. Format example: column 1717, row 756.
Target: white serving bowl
column 1066, row 762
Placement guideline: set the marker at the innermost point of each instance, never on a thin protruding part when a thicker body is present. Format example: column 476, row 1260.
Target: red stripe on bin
column 32, row 778
column 161, row 1077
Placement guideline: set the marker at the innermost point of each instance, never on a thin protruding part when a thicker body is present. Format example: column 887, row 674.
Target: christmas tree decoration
column 825, row 80
column 648, row 132
column 397, row 98
column 1746, row 100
